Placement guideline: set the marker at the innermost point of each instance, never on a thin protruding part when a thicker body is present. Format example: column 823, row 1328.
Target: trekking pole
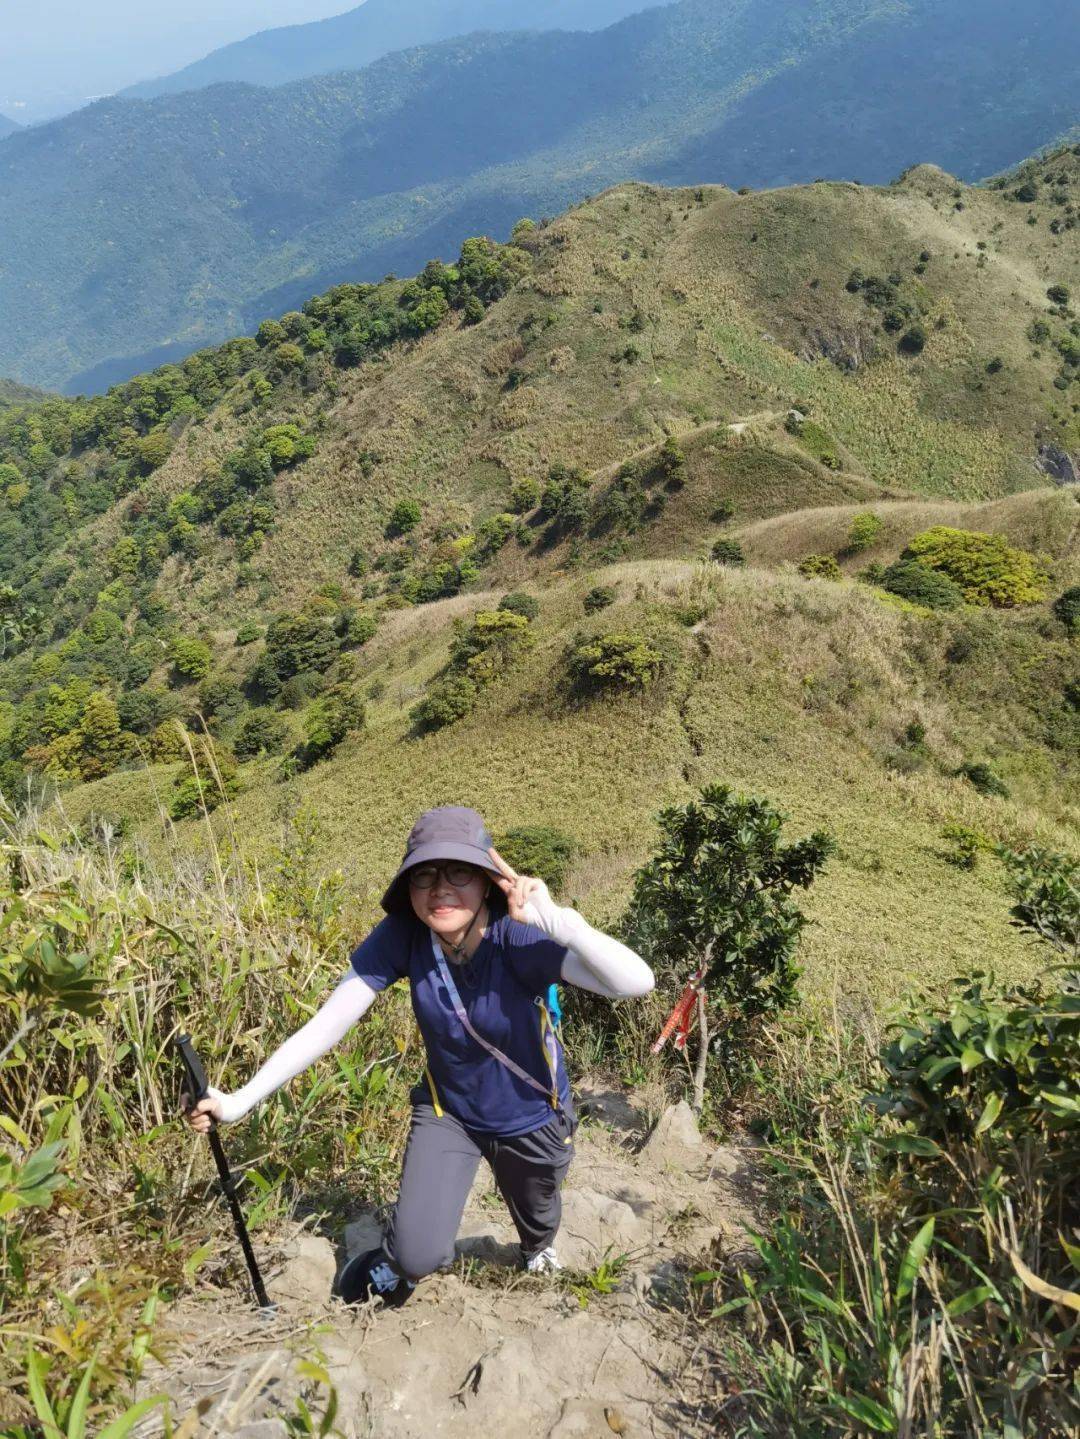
column 197, row 1087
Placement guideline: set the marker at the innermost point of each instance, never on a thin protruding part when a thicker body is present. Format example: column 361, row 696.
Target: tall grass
column 104, row 1194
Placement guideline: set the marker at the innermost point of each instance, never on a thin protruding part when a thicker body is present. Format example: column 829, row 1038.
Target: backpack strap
column 552, row 1095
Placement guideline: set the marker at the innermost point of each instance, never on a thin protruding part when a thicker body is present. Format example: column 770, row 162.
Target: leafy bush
column 260, row 731
column 598, row 598
column 865, row 530
column 944, row 1206
column 986, row 567
column 1067, row 609
column 822, row 567
column 191, row 659
column 447, row 700
column 715, row 898
column 982, row 777
column 913, row 581
column 1059, row 295
column 728, row 552
column 624, row 661
column 248, row 633
column 913, row 341
column 326, row 724
column 518, row 602
column 525, row 495
column 204, row 789
column 405, row 516
column 965, row 845
column 538, row 850
column 564, row 500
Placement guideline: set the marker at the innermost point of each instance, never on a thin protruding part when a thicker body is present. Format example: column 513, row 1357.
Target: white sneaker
column 546, row 1262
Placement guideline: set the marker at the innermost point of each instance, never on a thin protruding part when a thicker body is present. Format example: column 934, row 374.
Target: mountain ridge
column 279, row 193
column 358, row 37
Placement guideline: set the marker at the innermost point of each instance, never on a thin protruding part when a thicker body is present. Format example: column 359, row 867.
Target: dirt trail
column 485, row 1350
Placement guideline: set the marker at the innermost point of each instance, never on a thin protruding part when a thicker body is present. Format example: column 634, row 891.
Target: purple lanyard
column 550, row 1052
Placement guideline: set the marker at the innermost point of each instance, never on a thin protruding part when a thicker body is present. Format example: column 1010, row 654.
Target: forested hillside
column 7, row 127
column 273, row 194
column 355, row 39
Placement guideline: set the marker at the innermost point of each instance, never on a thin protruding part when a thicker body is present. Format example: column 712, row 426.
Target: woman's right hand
column 207, row 1109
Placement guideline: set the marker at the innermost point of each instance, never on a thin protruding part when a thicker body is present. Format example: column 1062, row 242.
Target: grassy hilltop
column 594, row 405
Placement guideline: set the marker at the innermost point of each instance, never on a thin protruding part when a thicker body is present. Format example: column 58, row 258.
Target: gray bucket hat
column 451, row 832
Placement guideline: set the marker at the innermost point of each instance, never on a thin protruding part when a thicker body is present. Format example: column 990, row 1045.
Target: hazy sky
column 57, row 54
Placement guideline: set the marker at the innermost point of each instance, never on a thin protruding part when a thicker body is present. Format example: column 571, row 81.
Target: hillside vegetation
column 296, row 547
column 684, row 496
column 272, row 194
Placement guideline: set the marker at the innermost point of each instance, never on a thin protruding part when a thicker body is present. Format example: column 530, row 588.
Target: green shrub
column 191, row 659
column 1046, row 889
column 564, row 500
column 913, row 341
column 965, row 845
column 525, row 495
column 538, row 850
column 1067, row 609
column 624, row 661
column 728, row 552
column 405, row 516
column 723, row 512
column 260, row 731
column 864, row 532
column 988, row 570
column 913, row 581
column 447, row 700
column 1059, row 295
column 982, row 777
column 202, row 790
column 518, row 602
column 248, row 633
column 821, row 567
column 327, row 722
column 598, row 598
column 671, row 463
column 717, row 895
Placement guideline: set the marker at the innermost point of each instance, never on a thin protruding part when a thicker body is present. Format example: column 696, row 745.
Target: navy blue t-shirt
column 513, row 965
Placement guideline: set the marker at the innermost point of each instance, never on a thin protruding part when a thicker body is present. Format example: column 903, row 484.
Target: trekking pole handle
column 193, row 1067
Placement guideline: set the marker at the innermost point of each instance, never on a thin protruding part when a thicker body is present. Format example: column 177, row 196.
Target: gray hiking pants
column 441, row 1160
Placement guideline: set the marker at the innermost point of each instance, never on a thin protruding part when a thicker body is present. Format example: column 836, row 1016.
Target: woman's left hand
column 526, row 898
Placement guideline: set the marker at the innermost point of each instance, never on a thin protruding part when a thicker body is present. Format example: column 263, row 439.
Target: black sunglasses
column 457, row 874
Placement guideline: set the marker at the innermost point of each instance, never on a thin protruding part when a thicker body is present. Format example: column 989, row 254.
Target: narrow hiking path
column 484, row 1349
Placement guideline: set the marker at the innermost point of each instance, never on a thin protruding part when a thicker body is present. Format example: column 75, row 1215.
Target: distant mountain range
column 136, row 231
column 355, row 39
column 7, row 127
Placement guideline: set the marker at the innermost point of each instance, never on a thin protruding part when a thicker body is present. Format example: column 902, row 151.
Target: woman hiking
column 480, row 946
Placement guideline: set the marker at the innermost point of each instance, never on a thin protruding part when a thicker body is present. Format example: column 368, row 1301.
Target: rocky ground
column 484, row 1349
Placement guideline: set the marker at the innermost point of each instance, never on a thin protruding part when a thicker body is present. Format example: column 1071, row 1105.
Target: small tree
column 717, row 895
column 864, row 532
column 538, row 849
column 405, row 516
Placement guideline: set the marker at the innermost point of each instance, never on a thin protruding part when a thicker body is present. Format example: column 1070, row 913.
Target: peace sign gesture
column 519, row 890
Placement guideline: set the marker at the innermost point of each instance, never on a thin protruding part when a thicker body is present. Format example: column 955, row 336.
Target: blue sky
column 57, row 54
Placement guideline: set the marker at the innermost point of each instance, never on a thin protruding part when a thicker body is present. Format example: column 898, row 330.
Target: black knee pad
column 371, row 1275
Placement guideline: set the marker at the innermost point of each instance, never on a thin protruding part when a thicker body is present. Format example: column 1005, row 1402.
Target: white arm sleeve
column 594, row 961
column 326, row 1027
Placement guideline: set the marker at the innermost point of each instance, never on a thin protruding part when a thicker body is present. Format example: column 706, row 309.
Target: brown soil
column 485, row 1350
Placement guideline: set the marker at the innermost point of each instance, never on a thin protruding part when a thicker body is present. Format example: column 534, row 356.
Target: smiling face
column 447, row 896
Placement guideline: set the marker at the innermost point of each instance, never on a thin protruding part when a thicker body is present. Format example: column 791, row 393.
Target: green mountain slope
column 276, row 193
column 286, row 541
column 374, row 29
column 12, row 393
